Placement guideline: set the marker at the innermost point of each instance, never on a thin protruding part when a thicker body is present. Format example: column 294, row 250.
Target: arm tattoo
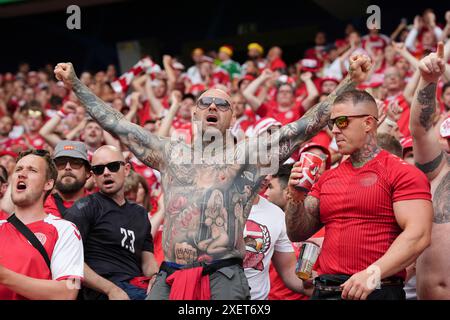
column 147, row 147
column 295, row 133
column 426, row 99
column 441, row 203
column 432, row 165
column 302, row 219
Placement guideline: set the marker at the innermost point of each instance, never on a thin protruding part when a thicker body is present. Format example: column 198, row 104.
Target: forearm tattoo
column 302, row 219
column 147, row 147
column 426, row 99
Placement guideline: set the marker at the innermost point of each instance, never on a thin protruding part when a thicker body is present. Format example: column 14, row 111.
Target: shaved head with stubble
column 361, row 111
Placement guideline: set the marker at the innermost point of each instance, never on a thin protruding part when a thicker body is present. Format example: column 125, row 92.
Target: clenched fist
column 433, row 65
column 360, row 66
column 66, row 73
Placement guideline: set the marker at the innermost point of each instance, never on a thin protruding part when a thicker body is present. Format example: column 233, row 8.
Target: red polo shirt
column 356, row 207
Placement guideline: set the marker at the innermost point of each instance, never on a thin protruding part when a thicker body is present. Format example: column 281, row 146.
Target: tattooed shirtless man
column 432, row 268
column 207, row 200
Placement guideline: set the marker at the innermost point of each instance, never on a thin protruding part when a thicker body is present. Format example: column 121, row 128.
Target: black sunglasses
column 75, row 163
column 112, row 166
column 220, row 103
column 342, row 122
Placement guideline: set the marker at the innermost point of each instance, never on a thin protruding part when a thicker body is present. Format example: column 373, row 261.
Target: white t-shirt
column 264, row 233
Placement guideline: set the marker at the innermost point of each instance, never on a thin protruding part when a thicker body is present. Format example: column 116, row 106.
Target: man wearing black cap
column 71, row 160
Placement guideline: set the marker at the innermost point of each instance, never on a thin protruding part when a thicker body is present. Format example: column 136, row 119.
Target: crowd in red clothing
column 37, row 111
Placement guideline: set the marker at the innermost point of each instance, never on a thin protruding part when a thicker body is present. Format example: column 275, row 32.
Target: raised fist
column 432, row 66
column 359, row 67
column 66, row 73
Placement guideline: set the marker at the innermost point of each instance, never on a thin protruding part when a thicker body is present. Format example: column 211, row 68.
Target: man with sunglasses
column 71, row 160
column 375, row 207
column 433, row 278
column 207, row 199
column 116, row 234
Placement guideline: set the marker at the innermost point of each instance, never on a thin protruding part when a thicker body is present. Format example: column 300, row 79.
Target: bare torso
column 433, row 276
column 206, row 208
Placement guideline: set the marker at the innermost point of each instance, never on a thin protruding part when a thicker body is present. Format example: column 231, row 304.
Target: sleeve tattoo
column 302, row 218
column 146, row 146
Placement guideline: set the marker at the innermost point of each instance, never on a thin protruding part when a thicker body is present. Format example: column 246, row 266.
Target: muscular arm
column 147, row 147
column 302, row 218
column 415, row 218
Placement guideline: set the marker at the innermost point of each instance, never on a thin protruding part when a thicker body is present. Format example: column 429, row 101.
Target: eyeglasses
column 342, row 122
column 112, row 166
column 220, row 103
column 75, row 163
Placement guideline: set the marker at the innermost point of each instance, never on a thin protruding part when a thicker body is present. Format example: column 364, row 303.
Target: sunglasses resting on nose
column 342, row 122
column 112, row 166
column 220, row 103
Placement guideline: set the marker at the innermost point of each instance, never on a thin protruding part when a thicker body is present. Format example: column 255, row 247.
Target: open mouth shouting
column 211, row 119
column 21, row 186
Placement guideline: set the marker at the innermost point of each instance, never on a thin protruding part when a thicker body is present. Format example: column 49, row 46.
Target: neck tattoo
column 369, row 151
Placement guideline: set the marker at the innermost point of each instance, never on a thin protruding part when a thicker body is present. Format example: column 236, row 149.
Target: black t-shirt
column 113, row 236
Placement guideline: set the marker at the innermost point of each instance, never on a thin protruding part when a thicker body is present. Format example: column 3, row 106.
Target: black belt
column 207, row 268
column 332, row 283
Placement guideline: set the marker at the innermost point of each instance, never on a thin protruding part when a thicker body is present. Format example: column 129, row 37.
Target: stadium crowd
column 98, row 178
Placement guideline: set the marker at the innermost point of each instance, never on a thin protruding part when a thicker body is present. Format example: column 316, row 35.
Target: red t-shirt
column 356, row 207
column 278, row 291
column 270, row 110
column 3, row 215
column 50, row 206
column 60, row 238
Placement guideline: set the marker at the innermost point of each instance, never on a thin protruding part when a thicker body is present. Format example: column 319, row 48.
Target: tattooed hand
column 433, row 66
column 185, row 253
column 360, row 66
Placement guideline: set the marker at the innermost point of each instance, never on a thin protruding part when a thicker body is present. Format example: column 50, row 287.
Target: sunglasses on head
column 342, row 122
column 112, row 166
column 75, row 163
column 220, row 103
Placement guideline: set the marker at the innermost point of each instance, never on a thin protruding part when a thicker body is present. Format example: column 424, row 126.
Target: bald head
column 106, row 154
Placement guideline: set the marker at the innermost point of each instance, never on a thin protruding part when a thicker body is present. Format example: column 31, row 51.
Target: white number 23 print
column 128, row 234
